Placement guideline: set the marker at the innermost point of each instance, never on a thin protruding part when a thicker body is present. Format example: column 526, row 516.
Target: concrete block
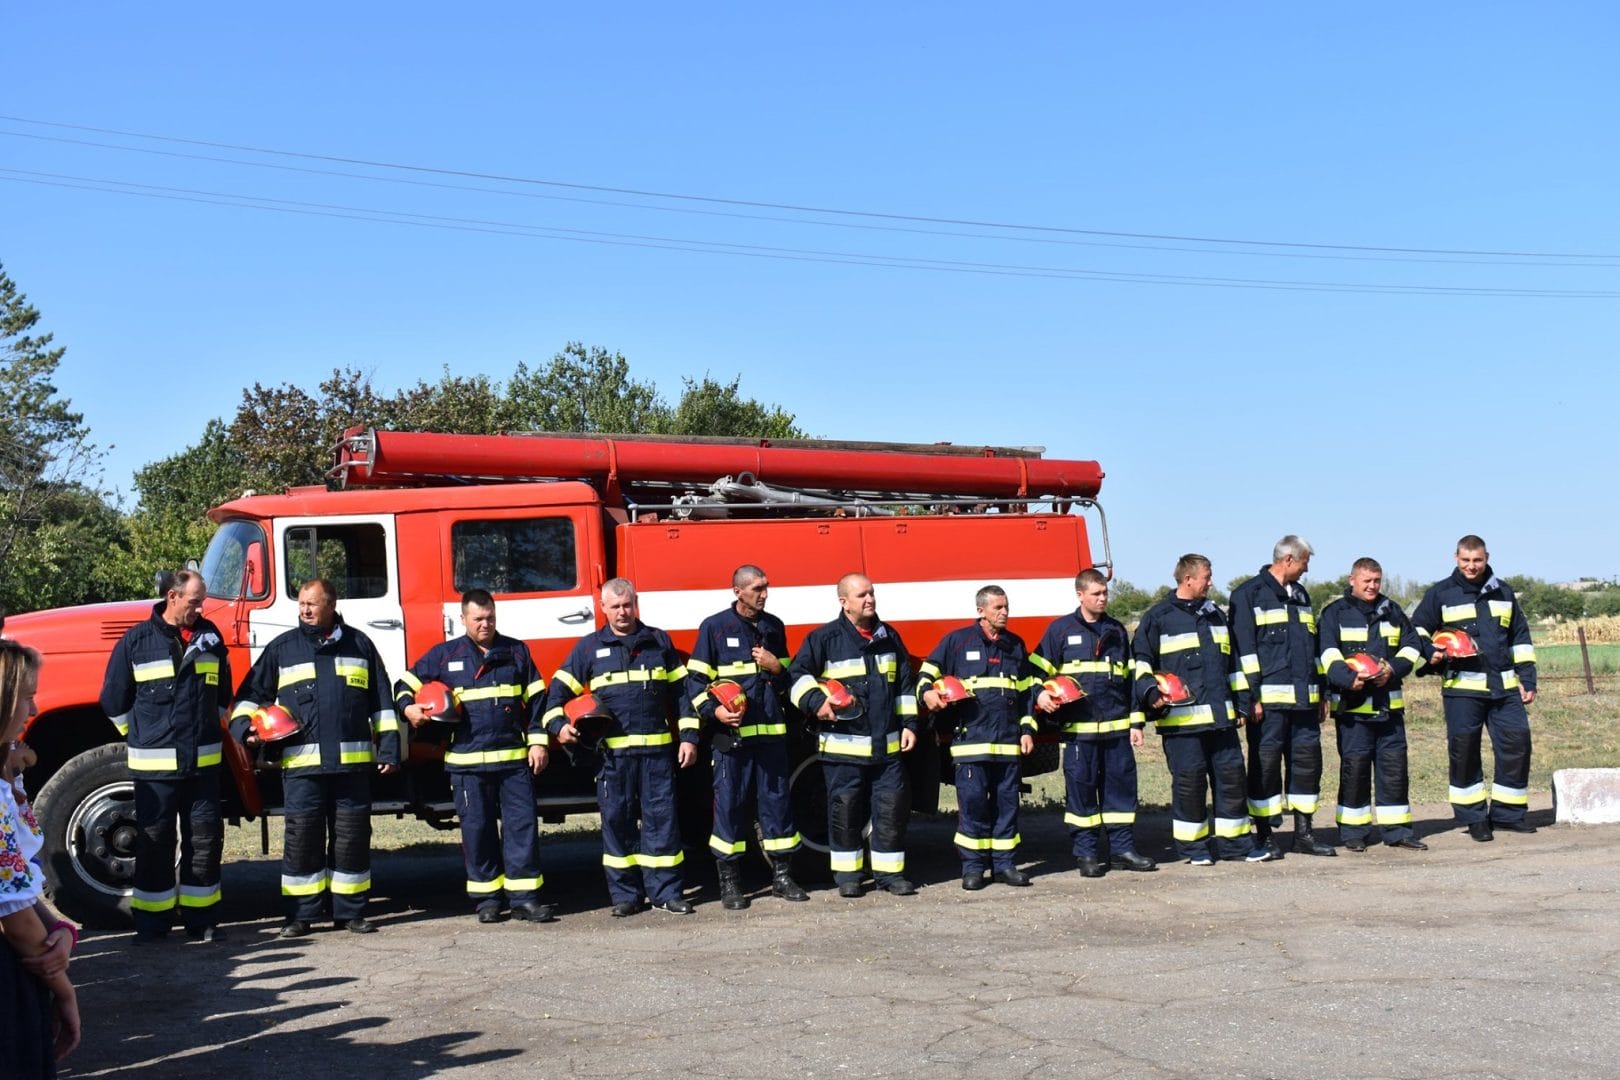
column 1586, row 796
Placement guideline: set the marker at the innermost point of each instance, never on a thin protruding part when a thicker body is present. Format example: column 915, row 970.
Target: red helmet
column 730, row 695
column 588, row 716
column 440, row 702
column 272, row 723
column 1064, row 690
column 1364, row 665
column 845, row 705
column 1172, row 689
column 951, row 689
column 1456, row 643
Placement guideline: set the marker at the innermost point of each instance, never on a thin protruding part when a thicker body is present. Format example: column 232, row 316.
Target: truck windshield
column 234, row 565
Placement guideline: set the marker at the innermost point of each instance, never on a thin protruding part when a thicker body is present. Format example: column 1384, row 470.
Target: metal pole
column 1586, row 659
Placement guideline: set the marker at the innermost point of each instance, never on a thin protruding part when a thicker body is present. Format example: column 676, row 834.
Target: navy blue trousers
column 987, row 814
column 193, row 802
column 1373, row 752
column 500, row 839
column 326, row 845
column 1509, row 725
column 1208, row 763
column 641, row 837
column 752, row 778
column 1284, row 736
column 1099, row 788
column 856, row 793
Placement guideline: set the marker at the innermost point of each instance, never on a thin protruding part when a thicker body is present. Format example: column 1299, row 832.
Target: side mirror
column 253, row 571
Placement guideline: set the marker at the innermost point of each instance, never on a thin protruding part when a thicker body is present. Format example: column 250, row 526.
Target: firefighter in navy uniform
column 1369, row 709
column 746, row 645
column 1186, row 636
column 636, row 675
column 1486, row 690
column 329, row 676
column 497, row 746
column 1101, row 730
column 1274, row 628
column 992, row 729
column 859, row 745
column 168, row 685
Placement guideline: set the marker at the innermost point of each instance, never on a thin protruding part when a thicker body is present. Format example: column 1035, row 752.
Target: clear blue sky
column 1384, row 422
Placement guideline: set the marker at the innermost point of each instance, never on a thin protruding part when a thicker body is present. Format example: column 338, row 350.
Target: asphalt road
column 1470, row 960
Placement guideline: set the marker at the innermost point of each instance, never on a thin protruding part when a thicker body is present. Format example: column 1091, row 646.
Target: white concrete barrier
column 1586, row 796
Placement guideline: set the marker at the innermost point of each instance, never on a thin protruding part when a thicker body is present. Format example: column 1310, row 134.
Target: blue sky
column 1383, row 413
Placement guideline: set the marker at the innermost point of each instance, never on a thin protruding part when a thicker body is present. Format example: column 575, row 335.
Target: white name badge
column 1077, row 639
column 603, row 653
column 973, row 655
column 454, row 665
column 733, row 643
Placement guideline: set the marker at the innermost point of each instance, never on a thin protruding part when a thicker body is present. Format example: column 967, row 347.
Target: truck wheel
column 808, row 790
column 87, row 813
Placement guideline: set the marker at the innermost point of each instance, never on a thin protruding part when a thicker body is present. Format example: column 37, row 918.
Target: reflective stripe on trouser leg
column 975, row 816
column 848, row 803
column 1224, row 754
column 1100, row 795
column 1189, row 784
column 303, row 847
column 1465, row 719
column 1354, row 812
column 1392, row 811
column 202, row 841
column 155, row 896
column 1082, row 806
column 351, row 844
column 520, row 834
column 779, row 835
column 1303, row 787
column 618, row 796
column 1267, row 741
column 1119, row 792
column 1004, row 778
column 1509, row 725
column 753, row 777
column 891, row 812
column 477, row 805
column 661, row 854
column 732, row 787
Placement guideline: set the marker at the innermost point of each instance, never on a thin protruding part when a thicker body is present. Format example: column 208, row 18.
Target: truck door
column 358, row 554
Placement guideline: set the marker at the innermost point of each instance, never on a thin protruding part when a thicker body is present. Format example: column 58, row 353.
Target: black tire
column 808, row 791
column 87, row 813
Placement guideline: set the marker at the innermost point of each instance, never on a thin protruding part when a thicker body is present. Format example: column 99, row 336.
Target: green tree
column 708, row 407
column 1541, row 600
column 1323, row 593
column 586, row 390
column 1126, row 602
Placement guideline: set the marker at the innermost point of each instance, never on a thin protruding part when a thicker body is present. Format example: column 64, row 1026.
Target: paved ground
column 1471, row 960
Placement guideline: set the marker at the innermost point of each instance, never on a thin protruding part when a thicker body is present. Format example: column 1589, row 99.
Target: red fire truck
column 541, row 521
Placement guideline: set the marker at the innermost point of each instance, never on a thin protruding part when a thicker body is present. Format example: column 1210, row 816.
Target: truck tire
column 87, row 813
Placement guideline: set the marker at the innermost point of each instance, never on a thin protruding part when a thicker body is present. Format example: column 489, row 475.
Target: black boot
column 1305, row 842
column 731, row 894
column 782, row 883
column 1263, row 838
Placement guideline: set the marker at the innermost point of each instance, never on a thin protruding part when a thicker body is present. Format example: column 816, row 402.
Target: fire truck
column 412, row 520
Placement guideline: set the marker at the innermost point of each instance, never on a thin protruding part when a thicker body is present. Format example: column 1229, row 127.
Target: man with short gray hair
column 1274, row 628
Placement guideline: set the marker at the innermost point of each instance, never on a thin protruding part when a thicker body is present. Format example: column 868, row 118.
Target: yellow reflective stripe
column 142, row 900
column 1232, row 827
column 243, row 708
column 1270, row 616
column 1043, row 663
column 992, row 749
column 1515, row 796
column 972, row 843
column 726, row 847
column 121, row 722
column 1524, row 654
column 484, row 888
column 1467, row 796
column 780, row 843
column 749, row 731
column 620, row 678
column 524, row 884
column 1278, row 694
column 162, row 759
column 485, row 757
column 1097, row 727
column 1356, row 815
column 153, row 669
column 384, row 721
column 303, row 884
column 302, row 758
column 689, row 723
column 538, row 738
column 209, row 754
column 832, row 742
column 1250, row 663
column 1173, row 643
column 569, row 681
column 844, row 669
column 1352, row 633
column 1188, row 831
column 205, row 667
column 411, row 681
column 1510, row 680
column 1457, row 612
column 888, row 862
column 1476, row 681
column 294, row 673
column 741, row 667
column 486, row 693
column 535, row 689
column 989, row 682
column 699, row 667
column 619, row 742
column 344, row 883
column 1394, row 815
column 355, row 753
column 1083, row 821
column 1501, row 610
column 801, row 687
column 625, row 862
column 847, row 860
column 929, row 669
column 1302, row 804
column 618, row 862
column 199, row 896
column 353, row 670
column 1331, row 657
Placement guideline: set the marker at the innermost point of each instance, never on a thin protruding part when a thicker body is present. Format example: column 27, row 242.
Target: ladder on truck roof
column 715, row 476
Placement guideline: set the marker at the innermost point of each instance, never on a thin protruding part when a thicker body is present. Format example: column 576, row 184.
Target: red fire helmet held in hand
column 951, row 689
column 1364, row 665
column 440, row 702
column 1172, row 689
column 845, row 705
column 730, row 695
column 1456, row 643
column 272, row 723
column 1063, row 689
column 588, row 716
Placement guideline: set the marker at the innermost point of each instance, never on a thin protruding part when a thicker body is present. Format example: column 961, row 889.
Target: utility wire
column 797, row 208
column 360, row 213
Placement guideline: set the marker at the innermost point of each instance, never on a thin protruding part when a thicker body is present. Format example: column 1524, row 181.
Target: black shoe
column 1306, row 843
column 1133, row 860
column 151, row 937
column 678, row 906
column 626, row 908
column 783, row 885
column 295, row 929
column 973, row 881
column 731, row 894
column 1515, row 826
column 899, row 886
column 1015, row 877
column 208, row 935
column 533, row 911
column 487, row 915
column 1093, row 868
column 1411, row 844
column 1481, row 831
column 851, row 890
column 1357, row 845
column 356, row 925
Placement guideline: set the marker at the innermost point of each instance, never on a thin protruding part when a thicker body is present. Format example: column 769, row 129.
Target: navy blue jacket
column 1274, row 631
column 988, row 725
column 637, row 677
column 166, row 697
column 1380, row 629
column 1191, row 639
column 876, row 670
column 501, row 697
column 1491, row 615
column 725, row 650
column 1097, row 656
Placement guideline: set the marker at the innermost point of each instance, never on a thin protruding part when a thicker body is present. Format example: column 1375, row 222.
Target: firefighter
column 853, row 677
column 745, row 644
column 1274, row 628
column 1486, row 682
column 1368, row 647
column 1102, row 730
column 497, row 746
column 1186, row 674
column 329, row 676
column 636, row 675
column 167, row 687
column 993, row 727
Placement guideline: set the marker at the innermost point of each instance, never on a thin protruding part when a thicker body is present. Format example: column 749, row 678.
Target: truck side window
column 523, row 555
column 237, row 547
column 354, row 557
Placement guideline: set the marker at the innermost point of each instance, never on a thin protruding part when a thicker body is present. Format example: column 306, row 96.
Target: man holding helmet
column 490, row 696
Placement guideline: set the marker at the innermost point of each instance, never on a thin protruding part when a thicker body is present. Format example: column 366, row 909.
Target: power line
column 797, row 208
column 360, row 213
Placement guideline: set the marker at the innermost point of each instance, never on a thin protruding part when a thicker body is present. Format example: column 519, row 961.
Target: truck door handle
column 575, row 616
column 385, row 624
